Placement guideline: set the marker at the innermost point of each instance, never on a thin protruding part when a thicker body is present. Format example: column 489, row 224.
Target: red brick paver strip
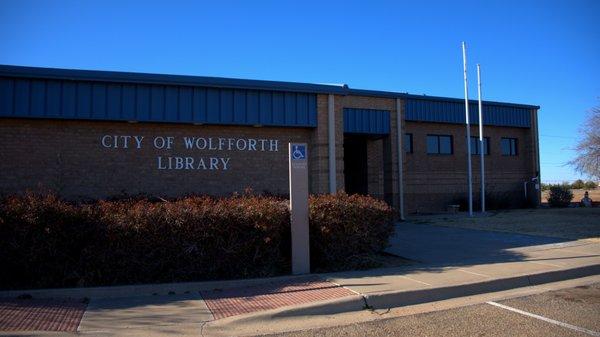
column 237, row 301
column 40, row 315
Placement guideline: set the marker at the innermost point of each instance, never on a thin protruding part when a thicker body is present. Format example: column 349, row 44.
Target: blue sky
column 538, row 52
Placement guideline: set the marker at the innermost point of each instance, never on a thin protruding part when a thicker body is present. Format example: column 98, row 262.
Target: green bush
column 560, row 196
column 345, row 230
column 590, row 185
column 48, row 242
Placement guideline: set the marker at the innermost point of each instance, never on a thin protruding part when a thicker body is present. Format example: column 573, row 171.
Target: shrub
column 560, row 196
column 45, row 241
column 48, row 242
column 346, row 230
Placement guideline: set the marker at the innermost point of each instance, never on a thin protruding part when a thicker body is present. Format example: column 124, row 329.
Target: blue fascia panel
column 454, row 112
column 366, row 121
column 218, row 82
column 68, row 99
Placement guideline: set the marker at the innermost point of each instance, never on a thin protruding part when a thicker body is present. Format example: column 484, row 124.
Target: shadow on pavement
column 445, row 246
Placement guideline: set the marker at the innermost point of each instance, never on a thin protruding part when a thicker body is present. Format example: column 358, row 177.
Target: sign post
column 298, row 163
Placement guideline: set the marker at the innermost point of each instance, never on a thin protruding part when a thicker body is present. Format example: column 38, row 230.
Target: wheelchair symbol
column 299, row 152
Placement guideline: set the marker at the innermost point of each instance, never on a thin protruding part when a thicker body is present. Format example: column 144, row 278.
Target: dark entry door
column 355, row 164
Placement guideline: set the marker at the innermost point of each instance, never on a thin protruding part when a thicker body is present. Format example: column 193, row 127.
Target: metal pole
column 470, row 173
column 481, row 147
column 400, row 149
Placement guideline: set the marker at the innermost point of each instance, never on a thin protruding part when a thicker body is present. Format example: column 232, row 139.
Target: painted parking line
column 415, row 280
column 545, row 319
column 474, row 273
column 545, row 264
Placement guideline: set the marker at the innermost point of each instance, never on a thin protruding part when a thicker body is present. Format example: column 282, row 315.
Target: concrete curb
column 403, row 298
column 392, row 299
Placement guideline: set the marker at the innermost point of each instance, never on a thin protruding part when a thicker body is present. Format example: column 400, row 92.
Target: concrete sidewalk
column 191, row 308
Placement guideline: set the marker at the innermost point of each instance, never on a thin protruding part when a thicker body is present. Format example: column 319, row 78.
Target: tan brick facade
column 68, row 156
column 434, row 181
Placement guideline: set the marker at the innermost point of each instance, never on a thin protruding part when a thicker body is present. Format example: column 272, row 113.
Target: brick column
column 318, row 154
column 339, row 142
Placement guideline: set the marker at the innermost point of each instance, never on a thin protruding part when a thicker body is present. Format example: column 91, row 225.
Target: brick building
column 94, row 134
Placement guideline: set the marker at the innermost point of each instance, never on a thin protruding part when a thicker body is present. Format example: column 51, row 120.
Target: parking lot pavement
column 568, row 312
column 445, row 246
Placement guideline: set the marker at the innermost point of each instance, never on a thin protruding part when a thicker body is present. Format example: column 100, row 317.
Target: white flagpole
column 481, row 145
column 464, row 49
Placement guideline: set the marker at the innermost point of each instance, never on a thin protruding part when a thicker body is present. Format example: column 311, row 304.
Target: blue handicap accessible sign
column 298, row 152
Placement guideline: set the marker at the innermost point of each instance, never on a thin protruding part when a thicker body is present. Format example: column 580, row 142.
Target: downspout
column 400, row 156
column 331, row 144
column 536, row 137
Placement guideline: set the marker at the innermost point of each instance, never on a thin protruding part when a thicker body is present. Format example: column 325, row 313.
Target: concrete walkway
column 451, row 263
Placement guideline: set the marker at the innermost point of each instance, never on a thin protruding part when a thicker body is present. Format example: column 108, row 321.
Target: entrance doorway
column 355, row 164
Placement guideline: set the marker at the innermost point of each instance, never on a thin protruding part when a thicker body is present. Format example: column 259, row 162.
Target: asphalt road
column 568, row 312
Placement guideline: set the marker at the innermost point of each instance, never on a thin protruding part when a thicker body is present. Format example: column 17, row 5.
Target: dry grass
column 570, row 223
column 577, row 195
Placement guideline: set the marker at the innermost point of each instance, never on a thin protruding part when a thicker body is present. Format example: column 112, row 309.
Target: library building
column 96, row 134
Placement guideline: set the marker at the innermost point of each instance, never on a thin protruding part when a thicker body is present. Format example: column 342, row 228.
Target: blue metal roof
column 366, row 121
column 163, row 79
column 77, row 98
column 219, row 82
column 106, row 95
column 454, row 112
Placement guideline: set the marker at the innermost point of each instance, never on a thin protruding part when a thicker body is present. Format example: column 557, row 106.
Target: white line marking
column 474, row 273
column 545, row 264
column 545, row 319
column 412, row 279
column 339, row 285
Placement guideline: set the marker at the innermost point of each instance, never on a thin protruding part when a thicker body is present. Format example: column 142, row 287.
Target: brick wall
column 68, row 156
column 434, row 181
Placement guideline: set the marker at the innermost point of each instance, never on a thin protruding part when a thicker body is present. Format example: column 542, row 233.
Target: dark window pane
column 432, row 144
column 445, row 145
column 474, row 145
column 509, row 146
column 505, row 145
column 486, row 146
column 408, row 146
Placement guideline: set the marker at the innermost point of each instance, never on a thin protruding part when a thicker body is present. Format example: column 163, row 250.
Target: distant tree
column 578, row 184
column 590, row 185
column 588, row 148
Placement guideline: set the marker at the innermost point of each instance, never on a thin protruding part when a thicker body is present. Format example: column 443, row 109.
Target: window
column 439, row 144
column 509, row 146
column 475, row 146
column 408, row 143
